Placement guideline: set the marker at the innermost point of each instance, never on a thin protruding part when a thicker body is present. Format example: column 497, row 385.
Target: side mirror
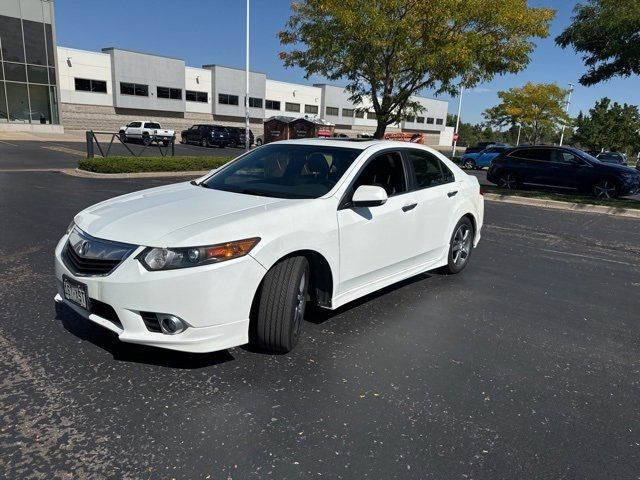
column 369, row 196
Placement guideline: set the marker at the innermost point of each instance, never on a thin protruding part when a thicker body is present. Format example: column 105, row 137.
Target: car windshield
column 285, row 171
column 587, row 156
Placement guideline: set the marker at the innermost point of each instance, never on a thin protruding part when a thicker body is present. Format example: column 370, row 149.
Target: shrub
column 151, row 164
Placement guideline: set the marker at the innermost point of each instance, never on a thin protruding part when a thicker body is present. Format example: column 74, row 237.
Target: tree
column 606, row 31
column 387, row 50
column 609, row 127
column 538, row 107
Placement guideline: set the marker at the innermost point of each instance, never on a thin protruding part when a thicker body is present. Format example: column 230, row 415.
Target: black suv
column 562, row 168
column 237, row 136
column 206, row 135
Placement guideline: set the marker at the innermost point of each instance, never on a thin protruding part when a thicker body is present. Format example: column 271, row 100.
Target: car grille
column 105, row 311
column 86, row 255
column 151, row 321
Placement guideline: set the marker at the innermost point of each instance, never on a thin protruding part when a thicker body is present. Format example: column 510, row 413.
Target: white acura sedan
column 236, row 255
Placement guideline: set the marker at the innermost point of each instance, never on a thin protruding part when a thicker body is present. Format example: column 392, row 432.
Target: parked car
column 480, row 146
column 479, row 160
column 236, row 255
column 612, row 157
column 146, row 132
column 237, row 136
column 206, row 135
column 563, row 168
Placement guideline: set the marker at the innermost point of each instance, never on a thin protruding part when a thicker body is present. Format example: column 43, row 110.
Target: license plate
column 75, row 292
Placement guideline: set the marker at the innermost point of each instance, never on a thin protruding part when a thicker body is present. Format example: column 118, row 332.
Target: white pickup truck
column 146, row 132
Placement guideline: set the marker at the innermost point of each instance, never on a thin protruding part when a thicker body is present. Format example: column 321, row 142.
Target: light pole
column 519, row 130
column 455, row 138
column 567, row 112
column 247, row 140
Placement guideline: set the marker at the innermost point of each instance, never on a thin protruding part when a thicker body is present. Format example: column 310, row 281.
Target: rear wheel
column 606, row 188
column 508, row 180
column 259, row 142
column 460, row 246
column 204, row 142
column 146, row 139
column 282, row 303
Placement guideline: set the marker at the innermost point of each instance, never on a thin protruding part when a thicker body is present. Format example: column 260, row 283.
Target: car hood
column 145, row 217
column 616, row 167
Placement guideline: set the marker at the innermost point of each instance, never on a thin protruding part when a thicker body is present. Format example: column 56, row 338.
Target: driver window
column 386, row 171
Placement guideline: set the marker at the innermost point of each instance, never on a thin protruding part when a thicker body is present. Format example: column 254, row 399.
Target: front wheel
column 146, row 140
column 460, row 246
column 605, row 188
column 469, row 164
column 204, row 142
column 282, row 302
column 183, row 139
column 259, row 142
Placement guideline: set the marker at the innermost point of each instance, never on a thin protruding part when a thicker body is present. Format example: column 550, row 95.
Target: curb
column 558, row 205
column 76, row 172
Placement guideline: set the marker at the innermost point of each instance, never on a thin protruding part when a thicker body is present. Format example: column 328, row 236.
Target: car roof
column 355, row 144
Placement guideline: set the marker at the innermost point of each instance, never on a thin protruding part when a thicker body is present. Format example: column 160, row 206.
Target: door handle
column 411, row 206
column 452, row 194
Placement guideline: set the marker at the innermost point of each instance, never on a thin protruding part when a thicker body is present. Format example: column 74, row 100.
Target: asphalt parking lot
column 28, row 154
column 524, row 366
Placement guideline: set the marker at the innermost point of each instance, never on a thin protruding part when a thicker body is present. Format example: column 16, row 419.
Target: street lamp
column 455, row 136
column 247, row 140
column 567, row 112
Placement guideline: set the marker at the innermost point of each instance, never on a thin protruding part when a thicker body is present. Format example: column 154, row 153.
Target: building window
column 439, row 121
column 371, row 115
column 255, row 102
column 201, row 97
column 292, row 107
column 86, row 85
column 272, row 105
column 347, row 112
column 26, row 71
column 430, row 120
column 359, row 113
column 224, row 99
column 170, row 93
column 311, row 109
column 333, row 111
column 136, row 89
column 410, row 118
column 420, row 119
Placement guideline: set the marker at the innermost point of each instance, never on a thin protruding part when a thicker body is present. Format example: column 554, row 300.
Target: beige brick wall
column 109, row 119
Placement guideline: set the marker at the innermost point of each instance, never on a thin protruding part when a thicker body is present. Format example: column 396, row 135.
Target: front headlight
column 154, row 259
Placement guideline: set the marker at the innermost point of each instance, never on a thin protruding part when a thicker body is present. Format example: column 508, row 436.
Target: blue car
column 478, row 160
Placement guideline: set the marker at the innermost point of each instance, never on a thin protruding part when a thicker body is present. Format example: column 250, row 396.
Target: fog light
column 171, row 325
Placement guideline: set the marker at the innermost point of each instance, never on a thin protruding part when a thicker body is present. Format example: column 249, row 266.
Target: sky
column 213, row 31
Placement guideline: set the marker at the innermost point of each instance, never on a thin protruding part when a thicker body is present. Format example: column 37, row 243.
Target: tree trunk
column 380, row 129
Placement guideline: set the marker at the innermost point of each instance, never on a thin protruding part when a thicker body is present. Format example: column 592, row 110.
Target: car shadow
column 127, row 352
column 318, row 315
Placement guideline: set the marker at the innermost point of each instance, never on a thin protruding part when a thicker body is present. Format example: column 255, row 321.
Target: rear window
column 152, row 125
column 541, row 154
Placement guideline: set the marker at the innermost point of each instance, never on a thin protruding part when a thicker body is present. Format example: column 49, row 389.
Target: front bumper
column 214, row 300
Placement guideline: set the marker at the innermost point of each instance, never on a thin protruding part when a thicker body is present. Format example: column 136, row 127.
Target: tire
column 183, row 139
column 469, row 164
column 146, row 140
column 165, row 143
column 509, row 180
column 283, row 299
column 204, row 143
column 605, row 188
column 460, row 247
column 259, row 142
column 123, row 137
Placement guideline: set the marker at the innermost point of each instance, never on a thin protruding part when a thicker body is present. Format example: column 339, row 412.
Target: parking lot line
column 71, row 151
column 7, row 143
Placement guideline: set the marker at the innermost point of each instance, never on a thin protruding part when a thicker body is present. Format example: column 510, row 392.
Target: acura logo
column 83, row 247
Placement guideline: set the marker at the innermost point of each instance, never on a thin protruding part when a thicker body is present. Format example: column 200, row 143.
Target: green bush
column 151, row 164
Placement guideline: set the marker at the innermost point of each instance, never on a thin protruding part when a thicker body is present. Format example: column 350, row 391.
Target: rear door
column 435, row 195
column 531, row 165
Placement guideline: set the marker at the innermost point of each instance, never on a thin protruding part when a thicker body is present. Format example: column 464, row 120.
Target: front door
column 377, row 242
